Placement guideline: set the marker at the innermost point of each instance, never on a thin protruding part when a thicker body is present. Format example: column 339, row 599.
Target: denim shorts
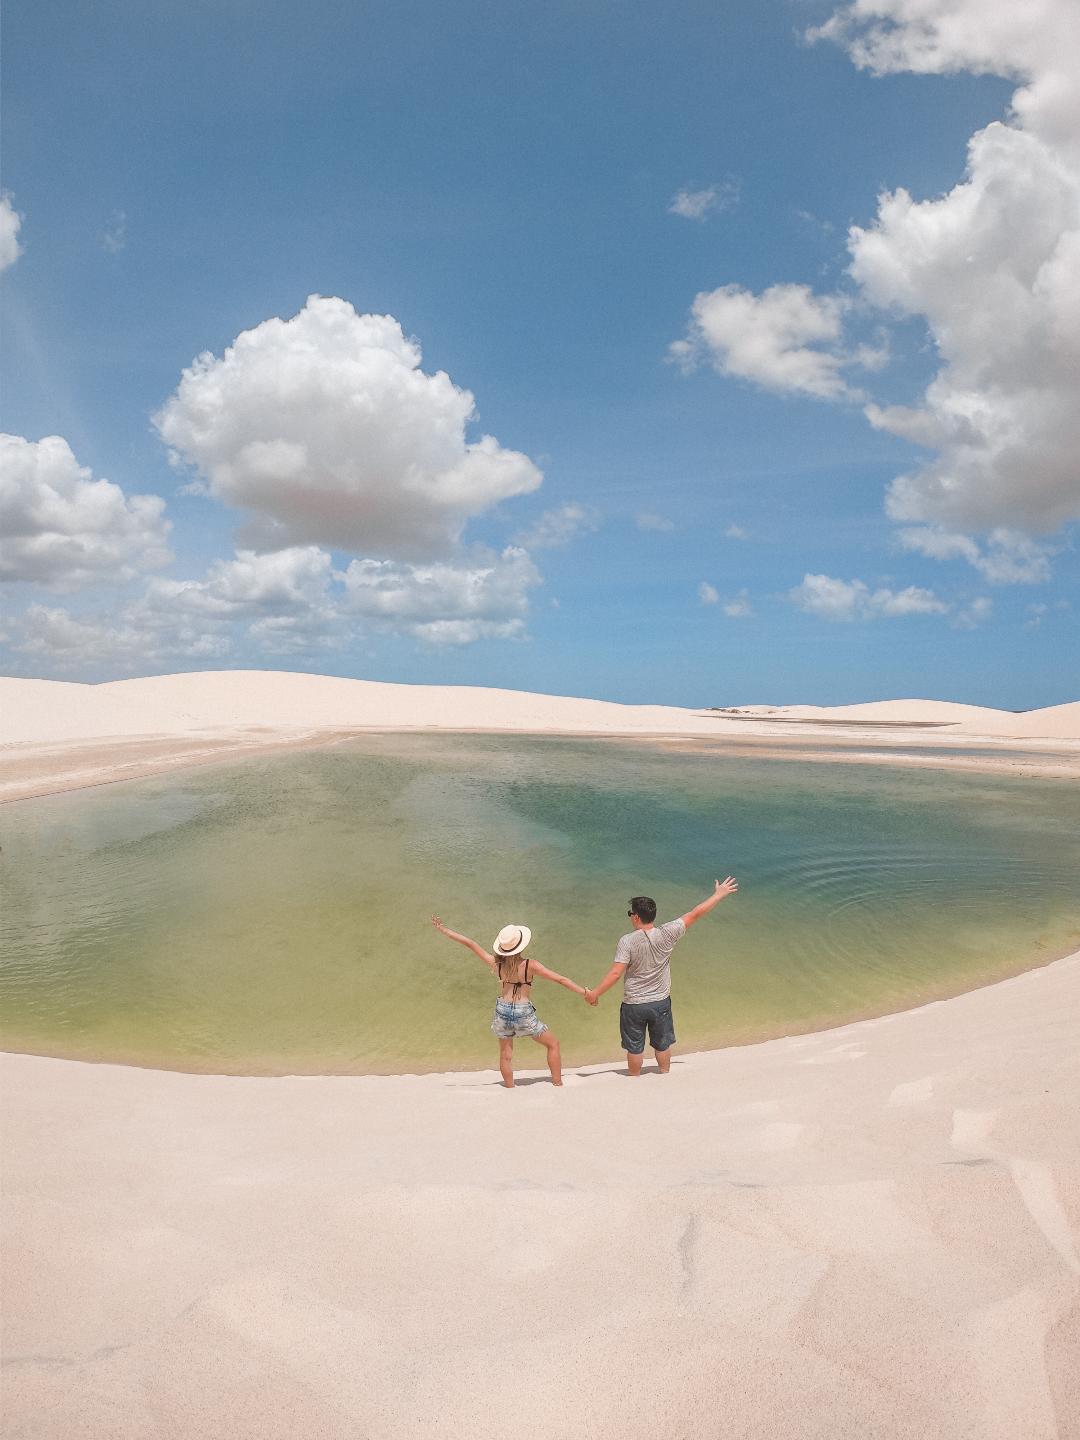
column 516, row 1017
column 652, row 1015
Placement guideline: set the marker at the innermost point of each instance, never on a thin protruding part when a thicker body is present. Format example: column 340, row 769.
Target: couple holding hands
column 642, row 961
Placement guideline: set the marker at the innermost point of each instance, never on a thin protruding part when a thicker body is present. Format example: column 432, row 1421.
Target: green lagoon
column 272, row 916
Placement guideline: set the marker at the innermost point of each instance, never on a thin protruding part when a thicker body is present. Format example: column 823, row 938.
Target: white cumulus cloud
column 63, row 529
column 81, row 647
column 707, row 594
column 992, row 268
column 327, row 431
column 785, row 339
column 10, row 225
column 445, row 603
column 847, row 600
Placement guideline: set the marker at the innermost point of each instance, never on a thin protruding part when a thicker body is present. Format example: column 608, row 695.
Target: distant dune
column 260, row 702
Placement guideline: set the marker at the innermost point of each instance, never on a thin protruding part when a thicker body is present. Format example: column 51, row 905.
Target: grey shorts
column 653, row 1016
column 516, row 1017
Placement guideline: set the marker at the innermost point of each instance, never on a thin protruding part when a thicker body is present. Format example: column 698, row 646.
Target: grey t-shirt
column 647, row 955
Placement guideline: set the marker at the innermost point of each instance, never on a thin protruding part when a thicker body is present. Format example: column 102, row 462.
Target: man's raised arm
column 723, row 889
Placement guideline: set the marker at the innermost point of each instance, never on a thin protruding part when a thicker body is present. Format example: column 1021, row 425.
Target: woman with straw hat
column 515, row 1013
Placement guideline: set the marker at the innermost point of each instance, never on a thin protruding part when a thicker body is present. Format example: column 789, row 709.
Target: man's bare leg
column 554, row 1054
column 506, row 1062
column 633, row 1063
column 663, row 1060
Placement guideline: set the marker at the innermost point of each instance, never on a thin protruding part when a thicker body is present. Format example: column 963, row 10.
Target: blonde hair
column 508, row 976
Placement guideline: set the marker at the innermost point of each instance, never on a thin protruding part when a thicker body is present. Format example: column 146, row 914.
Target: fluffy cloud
column 853, row 600
column 739, row 608
column 445, row 603
column 736, row 532
column 1036, row 42
column 60, row 643
column 10, row 224
column 556, row 528
column 992, row 267
column 785, row 339
column 707, row 594
column 326, row 430
column 287, row 602
column 252, row 586
column 62, row 529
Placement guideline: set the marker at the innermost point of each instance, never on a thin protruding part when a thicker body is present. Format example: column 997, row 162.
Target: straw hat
column 511, row 940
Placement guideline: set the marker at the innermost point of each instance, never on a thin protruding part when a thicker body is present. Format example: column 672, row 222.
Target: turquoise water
column 272, row 916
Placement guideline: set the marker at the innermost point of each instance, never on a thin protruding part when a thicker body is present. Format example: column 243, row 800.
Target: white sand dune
column 873, row 1231
column 49, row 712
column 60, row 736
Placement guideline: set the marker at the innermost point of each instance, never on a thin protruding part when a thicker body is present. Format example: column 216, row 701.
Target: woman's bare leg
column 554, row 1054
column 506, row 1062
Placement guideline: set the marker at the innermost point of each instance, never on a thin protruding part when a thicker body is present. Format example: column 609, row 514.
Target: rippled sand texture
column 868, row 1232
column 272, row 916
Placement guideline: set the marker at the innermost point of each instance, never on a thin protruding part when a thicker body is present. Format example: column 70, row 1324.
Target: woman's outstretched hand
column 438, row 924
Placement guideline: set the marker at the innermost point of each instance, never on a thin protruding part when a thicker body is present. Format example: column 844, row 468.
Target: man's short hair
column 644, row 908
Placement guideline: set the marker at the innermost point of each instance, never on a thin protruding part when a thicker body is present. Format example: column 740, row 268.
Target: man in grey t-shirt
column 643, row 962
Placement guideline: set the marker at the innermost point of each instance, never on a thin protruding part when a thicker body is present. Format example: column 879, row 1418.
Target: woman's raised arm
column 478, row 950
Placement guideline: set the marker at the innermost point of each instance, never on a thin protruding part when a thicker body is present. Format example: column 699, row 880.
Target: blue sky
column 695, row 504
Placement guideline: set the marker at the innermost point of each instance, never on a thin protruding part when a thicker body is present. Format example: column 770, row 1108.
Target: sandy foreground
column 874, row 1231
column 56, row 736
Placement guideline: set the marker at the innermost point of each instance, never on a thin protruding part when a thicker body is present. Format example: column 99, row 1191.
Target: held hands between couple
column 590, row 997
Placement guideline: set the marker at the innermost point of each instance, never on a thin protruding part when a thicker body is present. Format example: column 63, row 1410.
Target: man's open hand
column 726, row 887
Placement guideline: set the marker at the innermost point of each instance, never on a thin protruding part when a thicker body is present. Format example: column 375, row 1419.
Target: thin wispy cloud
column 559, row 527
column 114, row 236
column 699, row 204
column 647, row 520
column 740, row 607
